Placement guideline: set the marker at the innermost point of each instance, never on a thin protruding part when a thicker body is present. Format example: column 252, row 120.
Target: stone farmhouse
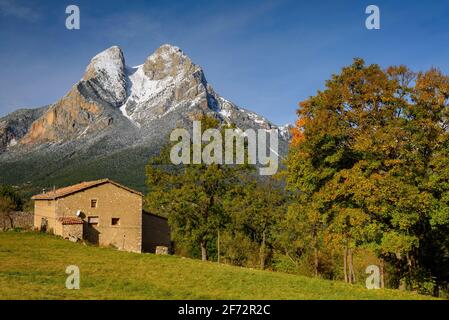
column 102, row 212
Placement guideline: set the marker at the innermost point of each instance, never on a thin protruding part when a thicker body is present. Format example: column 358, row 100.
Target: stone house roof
column 62, row 192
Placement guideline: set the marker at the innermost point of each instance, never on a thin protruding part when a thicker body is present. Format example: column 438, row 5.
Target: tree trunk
column 203, row 250
column 315, row 252
column 11, row 220
column 345, row 263
column 218, row 246
column 410, row 272
column 382, row 278
column 316, row 261
column 262, row 251
column 351, row 267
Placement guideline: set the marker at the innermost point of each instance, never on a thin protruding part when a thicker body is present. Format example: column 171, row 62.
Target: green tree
column 255, row 208
column 191, row 195
column 9, row 201
column 300, row 233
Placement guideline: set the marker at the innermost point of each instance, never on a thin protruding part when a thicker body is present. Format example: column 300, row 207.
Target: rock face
column 89, row 105
column 15, row 125
column 167, row 81
column 105, row 78
column 113, row 119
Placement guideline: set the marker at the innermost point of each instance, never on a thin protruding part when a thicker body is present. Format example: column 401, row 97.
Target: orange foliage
column 297, row 132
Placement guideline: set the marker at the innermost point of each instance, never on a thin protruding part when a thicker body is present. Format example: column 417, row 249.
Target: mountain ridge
column 115, row 109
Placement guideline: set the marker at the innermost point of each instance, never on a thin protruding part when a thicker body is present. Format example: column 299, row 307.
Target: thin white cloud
column 12, row 8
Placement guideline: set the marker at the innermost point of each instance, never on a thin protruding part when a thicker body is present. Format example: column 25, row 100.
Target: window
column 115, row 221
column 93, row 203
column 92, row 220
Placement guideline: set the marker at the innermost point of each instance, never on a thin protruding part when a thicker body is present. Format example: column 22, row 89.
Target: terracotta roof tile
column 62, row 192
column 70, row 220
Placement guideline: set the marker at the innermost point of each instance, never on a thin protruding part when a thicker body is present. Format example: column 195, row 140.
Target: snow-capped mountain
column 116, row 109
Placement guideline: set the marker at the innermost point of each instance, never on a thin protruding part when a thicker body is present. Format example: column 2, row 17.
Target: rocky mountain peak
column 87, row 106
column 167, row 81
column 106, row 75
column 109, row 60
column 115, row 118
column 168, row 61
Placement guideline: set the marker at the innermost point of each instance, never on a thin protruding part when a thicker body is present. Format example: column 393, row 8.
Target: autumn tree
column 368, row 157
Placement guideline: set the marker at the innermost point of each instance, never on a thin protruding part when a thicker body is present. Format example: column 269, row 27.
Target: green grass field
column 32, row 266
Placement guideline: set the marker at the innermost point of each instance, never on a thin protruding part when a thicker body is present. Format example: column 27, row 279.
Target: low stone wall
column 70, row 231
column 24, row 220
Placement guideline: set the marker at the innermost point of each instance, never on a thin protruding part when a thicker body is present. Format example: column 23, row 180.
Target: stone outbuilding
column 102, row 212
column 70, row 227
column 155, row 232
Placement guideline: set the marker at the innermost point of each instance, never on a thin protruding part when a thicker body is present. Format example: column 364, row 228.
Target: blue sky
column 263, row 55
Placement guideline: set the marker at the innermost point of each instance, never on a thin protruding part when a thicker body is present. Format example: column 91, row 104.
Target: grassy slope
column 32, row 266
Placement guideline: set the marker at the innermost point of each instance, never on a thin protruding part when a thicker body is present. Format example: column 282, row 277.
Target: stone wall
column 112, row 203
column 45, row 210
column 155, row 232
column 72, row 231
column 22, row 220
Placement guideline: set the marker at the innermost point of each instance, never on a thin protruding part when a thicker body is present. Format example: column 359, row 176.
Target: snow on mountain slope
column 168, row 82
column 115, row 102
column 115, row 118
column 106, row 73
column 285, row 131
column 143, row 93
